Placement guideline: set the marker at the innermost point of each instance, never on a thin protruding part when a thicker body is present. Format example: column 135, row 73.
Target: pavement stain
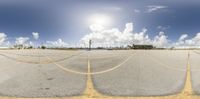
column 50, row 78
column 44, row 88
column 47, row 88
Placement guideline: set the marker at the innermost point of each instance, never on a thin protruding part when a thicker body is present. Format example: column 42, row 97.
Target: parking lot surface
column 60, row 73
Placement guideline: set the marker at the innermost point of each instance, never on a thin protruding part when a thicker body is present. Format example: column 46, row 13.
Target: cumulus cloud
column 96, row 28
column 116, row 38
column 181, row 41
column 21, row 40
column 58, row 43
column 185, row 42
column 161, row 40
column 104, row 38
column 129, row 28
column 4, row 43
column 153, row 8
column 3, row 37
column 195, row 41
column 183, row 37
column 35, row 35
column 141, row 37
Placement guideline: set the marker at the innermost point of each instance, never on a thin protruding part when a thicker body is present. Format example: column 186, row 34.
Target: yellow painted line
column 92, row 73
column 90, row 92
column 188, row 85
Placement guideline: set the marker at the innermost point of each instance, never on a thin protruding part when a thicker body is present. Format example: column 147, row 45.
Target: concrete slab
column 143, row 76
column 147, row 73
column 195, row 70
column 20, row 79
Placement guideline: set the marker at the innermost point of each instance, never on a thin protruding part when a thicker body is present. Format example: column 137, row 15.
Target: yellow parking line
column 92, row 73
column 90, row 92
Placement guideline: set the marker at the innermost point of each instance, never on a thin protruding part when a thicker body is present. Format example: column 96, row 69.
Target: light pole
column 90, row 43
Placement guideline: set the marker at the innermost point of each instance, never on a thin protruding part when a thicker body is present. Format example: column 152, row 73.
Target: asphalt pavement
column 60, row 73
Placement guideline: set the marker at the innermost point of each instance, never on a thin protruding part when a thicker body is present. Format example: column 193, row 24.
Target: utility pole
column 90, row 43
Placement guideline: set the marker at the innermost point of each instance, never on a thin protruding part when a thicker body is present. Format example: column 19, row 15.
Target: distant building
column 19, row 46
column 22, row 46
column 141, row 46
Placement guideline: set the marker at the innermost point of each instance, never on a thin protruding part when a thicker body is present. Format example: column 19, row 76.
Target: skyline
column 107, row 23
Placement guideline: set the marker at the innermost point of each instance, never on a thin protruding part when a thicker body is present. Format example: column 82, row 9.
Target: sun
column 100, row 19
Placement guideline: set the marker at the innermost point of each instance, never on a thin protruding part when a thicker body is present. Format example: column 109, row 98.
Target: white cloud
column 3, row 41
column 161, row 40
column 195, row 41
column 114, row 37
column 21, row 40
column 163, row 27
column 183, row 42
column 136, row 11
column 141, row 37
column 31, row 43
column 58, row 43
column 129, row 28
column 96, row 28
column 35, row 35
column 183, row 37
column 153, row 8
column 3, row 37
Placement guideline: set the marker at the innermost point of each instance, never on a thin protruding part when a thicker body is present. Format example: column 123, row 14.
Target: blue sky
column 67, row 20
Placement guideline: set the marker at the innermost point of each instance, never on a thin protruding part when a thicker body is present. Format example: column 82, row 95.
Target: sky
column 108, row 23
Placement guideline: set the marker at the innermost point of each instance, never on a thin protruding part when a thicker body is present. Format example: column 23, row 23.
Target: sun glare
column 100, row 19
